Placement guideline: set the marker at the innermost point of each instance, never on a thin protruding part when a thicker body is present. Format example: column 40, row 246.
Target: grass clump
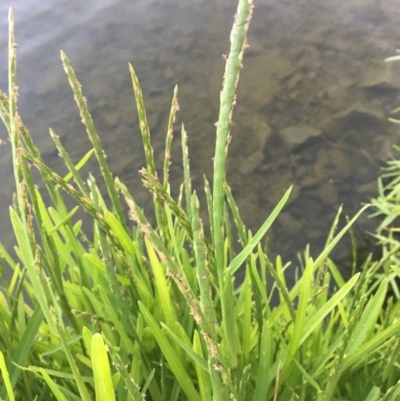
column 153, row 312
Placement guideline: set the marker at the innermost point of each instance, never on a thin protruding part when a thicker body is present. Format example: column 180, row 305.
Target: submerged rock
column 259, row 134
column 261, row 78
column 383, row 76
column 250, row 163
column 328, row 193
column 357, row 110
column 290, row 224
column 368, row 188
column 294, row 137
column 358, row 116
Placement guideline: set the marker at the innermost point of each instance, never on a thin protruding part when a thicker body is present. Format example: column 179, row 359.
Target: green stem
column 227, row 101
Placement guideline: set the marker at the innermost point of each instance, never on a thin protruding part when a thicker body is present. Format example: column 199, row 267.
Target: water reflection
column 313, row 70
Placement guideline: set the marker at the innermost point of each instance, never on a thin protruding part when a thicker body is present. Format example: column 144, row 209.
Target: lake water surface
column 314, row 68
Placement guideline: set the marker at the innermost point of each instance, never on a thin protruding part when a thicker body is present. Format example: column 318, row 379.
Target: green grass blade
column 55, row 389
column 371, row 345
column 368, row 319
column 244, row 383
column 392, row 394
column 66, row 219
column 120, row 233
column 23, row 349
column 131, row 386
column 301, row 315
column 171, row 356
column 236, row 216
column 247, row 317
column 161, row 285
column 202, row 376
column 23, row 242
column 318, row 317
column 6, row 378
column 374, row 394
column 68, row 162
column 324, row 254
column 242, row 256
column 79, row 165
column 322, row 257
column 264, row 366
column 101, row 370
column 189, row 351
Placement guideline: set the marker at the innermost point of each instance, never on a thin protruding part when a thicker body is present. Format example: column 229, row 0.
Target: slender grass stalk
column 227, row 101
column 69, row 163
column 12, row 113
column 186, row 173
column 148, row 149
column 170, row 131
column 87, row 120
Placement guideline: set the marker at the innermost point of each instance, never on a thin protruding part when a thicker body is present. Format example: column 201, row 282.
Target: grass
column 153, row 312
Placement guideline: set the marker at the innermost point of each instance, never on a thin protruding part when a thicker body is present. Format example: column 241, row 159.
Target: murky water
column 312, row 65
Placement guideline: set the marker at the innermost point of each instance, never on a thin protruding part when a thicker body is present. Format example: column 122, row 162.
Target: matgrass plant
column 153, row 312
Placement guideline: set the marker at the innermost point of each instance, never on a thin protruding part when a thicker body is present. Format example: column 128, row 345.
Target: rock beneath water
column 383, row 76
column 358, row 110
column 250, row 163
column 261, row 78
column 332, row 163
column 290, row 224
column 294, row 137
column 327, row 192
column 369, row 188
column 357, row 116
column 385, row 146
column 258, row 136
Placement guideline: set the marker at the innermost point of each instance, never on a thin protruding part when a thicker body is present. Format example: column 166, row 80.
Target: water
column 310, row 64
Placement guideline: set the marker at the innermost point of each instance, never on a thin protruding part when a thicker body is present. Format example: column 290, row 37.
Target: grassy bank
column 153, row 312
